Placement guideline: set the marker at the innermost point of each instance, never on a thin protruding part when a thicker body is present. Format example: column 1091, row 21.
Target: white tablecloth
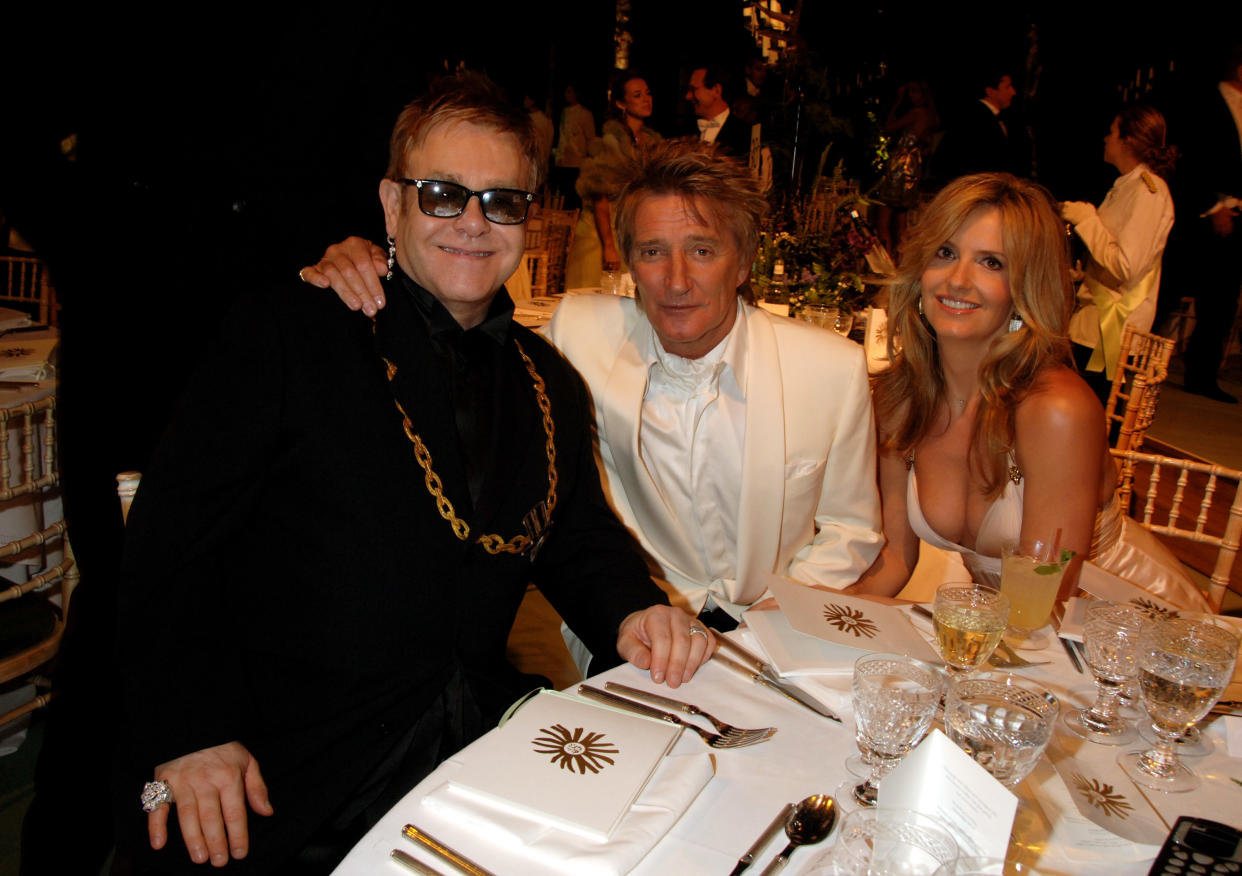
column 806, row 757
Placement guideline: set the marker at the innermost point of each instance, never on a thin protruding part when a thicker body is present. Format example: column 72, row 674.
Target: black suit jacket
column 734, row 137
column 289, row 582
column 977, row 143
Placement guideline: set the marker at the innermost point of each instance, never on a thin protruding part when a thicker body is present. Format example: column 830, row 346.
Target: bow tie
column 707, row 124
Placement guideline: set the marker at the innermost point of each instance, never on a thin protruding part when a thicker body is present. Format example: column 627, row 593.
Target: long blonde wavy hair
column 908, row 395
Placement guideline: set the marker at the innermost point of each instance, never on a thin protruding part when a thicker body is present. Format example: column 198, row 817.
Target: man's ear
column 390, row 193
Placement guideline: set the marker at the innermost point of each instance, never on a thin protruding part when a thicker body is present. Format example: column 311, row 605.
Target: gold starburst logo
column 1102, row 796
column 583, row 751
column 850, row 620
column 15, row 352
column 1151, row 609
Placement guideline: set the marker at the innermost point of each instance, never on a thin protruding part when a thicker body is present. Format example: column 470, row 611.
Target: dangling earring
column 1015, row 322
column 920, row 305
column 392, row 256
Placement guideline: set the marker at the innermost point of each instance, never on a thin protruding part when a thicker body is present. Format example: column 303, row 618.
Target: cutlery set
column 728, row 737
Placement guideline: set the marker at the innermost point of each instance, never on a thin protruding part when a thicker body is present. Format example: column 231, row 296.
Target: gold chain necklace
column 536, row 521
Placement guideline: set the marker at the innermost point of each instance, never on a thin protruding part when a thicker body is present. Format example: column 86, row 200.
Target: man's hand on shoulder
column 352, row 269
column 659, row 638
column 210, row 789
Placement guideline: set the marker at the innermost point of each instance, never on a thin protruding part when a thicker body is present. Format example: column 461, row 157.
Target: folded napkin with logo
column 564, row 787
column 26, row 359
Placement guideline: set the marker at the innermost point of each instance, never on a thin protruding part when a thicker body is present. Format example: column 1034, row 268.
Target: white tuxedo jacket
column 809, row 505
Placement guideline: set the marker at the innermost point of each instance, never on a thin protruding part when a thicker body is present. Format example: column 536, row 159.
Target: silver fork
column 725, row 728
column 714, row 740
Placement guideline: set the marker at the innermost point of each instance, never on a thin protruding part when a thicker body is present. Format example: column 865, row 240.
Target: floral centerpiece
column 824, row 244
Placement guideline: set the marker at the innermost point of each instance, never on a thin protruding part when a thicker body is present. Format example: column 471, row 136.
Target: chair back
column 27, row 284
column 1143, row 366
column 558, row 238
column 46, row 572
column 1196, row 501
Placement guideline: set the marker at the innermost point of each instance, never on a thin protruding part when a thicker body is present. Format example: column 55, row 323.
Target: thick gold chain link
column 493, row 544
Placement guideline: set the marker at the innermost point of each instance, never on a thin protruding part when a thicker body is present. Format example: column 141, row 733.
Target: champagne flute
column 1184, row 667
column 1112, row 634
column 969, row 621
column 895, row 699
column 1031, row 577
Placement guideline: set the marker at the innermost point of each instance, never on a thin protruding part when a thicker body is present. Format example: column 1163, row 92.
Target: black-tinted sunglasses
column 444, row 200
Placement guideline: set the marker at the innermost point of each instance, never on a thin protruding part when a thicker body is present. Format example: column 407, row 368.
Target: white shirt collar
column 726, row 359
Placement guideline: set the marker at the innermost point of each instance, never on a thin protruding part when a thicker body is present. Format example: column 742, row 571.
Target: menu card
column 859, row 624
column 11, row 318
column 1105, row 585
column 568, row 762
column 25, row 358
column 941, row 780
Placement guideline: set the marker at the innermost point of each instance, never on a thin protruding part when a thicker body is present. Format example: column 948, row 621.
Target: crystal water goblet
column 1002, row 721
column 895, row 699
column 1111, row 633
column 1185, row 665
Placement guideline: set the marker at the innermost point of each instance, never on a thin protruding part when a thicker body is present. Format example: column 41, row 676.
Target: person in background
column 577, row 130
column 708, row 93
column 1125, row 238
column 911, row 122
column 1210, row 177
column 543, row 130
column 625, row 134
column 986, row 435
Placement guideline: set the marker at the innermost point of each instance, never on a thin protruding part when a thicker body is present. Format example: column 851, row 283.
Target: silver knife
column 769, row 833
column 788, row 691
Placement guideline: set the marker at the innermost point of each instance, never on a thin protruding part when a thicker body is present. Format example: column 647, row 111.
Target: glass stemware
column 1111, row 634
column 885, row 840
column 1031, row 576
column 895, row 699
column 1002, row 721
column 1184, row 666
column 969, row 621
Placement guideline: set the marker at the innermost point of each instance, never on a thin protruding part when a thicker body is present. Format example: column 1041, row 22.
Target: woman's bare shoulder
column 1059, row 407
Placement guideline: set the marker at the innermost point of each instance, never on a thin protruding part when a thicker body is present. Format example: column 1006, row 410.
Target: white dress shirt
column 709, row 129
column 693, row 426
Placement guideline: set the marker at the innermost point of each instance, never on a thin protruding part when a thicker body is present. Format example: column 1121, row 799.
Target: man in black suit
column 1211, row 173
column 980, row 140
column 327, row 552
column 717, row 123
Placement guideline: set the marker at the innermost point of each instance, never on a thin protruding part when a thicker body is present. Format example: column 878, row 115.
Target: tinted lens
column 443, row 199
column 505, row 206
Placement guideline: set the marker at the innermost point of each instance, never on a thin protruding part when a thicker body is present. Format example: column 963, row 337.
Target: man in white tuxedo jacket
column 735, row 444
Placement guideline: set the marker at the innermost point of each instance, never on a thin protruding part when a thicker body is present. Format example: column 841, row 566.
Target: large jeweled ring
column 154, row 795
column 696, row 630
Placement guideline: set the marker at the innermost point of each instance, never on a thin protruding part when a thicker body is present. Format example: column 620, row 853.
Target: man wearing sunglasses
column 326, row 555
column 735, row 444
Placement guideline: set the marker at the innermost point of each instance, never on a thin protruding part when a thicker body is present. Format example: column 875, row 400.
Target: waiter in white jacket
column 1125, row 238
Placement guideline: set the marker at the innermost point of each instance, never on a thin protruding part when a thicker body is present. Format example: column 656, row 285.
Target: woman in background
column 594, row 249
column 1125, row 238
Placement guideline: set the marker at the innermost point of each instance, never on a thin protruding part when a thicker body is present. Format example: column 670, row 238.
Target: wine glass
column 1031, row 577
column 969, row 621
column 1004, row 722
column 895, row 699
column 885, row 840
column 1111, row 634
column 1184, row 666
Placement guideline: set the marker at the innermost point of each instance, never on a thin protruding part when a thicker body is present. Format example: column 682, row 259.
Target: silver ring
column 155, row 794
column 697, row 631
column 300, row 277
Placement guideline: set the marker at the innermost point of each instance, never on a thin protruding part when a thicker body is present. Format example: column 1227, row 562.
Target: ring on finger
column 696, row 630
column 155, row 794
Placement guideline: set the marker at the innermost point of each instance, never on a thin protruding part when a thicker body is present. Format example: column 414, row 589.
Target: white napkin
column 545, row 849
column 1105, row 795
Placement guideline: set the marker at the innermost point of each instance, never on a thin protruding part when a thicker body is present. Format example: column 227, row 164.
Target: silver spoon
column 809, row 823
